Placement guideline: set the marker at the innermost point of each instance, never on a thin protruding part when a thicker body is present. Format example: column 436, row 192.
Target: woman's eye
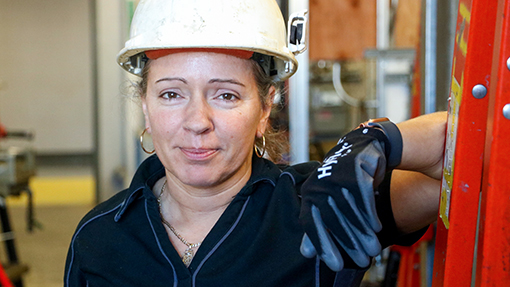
column 228, row 97
column 170, row 95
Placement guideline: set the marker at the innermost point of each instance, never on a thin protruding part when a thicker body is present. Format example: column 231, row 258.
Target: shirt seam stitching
column 290, row 175
column 159, row 244
column 78, row 232
column 220, row 242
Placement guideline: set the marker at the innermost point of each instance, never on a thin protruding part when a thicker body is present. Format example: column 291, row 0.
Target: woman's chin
column 205, row 184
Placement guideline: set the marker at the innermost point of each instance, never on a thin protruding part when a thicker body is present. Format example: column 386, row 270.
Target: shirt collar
column 263, row 170
column 151, row 170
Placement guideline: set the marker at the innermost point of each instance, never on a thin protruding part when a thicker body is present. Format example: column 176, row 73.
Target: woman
column 208, row 209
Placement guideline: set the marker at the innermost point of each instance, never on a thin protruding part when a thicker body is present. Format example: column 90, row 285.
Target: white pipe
column 339, row 89
column 383, row 24
column 299, row 88
column 430, row 56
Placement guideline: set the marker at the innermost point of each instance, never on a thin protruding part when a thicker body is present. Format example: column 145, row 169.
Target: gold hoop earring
column 263, row 147
column 141, row 143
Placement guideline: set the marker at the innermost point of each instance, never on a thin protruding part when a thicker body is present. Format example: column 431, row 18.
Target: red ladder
column 477, row 158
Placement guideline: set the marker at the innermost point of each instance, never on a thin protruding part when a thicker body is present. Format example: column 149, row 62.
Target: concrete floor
column 45, row 250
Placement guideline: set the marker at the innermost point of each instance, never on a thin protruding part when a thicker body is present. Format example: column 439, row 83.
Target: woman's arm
column 415, row 187
column 423, row 144
column 414, row 200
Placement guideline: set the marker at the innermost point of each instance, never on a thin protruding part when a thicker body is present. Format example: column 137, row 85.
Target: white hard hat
column 249, row 25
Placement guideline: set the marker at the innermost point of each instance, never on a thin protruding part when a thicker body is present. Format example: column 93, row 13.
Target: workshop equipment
column 17, row 166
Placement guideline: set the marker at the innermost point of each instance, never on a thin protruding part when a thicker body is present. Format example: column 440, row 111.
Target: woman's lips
column 198, row 153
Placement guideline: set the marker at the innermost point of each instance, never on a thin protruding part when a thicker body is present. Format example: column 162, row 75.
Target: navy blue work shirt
column 122, row 241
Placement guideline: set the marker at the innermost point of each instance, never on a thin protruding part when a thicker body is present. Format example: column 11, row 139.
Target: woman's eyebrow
column 172, row 79
column 231, row 81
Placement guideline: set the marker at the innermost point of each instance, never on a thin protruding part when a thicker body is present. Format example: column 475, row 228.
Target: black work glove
column 338, row 203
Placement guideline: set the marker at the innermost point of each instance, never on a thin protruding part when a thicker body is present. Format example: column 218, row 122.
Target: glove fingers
column 346, row 208
column 307, row 248
column 366, row 235
column 330, row 254
column 308, row 223
column 349, row 210
column 370, row 169
column 358, row 244
column 355, row 250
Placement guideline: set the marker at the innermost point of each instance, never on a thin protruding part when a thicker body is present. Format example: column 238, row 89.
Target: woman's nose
column 198, row 117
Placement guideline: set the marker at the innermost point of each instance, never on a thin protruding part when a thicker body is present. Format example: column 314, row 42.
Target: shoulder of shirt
column 299, row 172
column 118, row 203
column 108, row 207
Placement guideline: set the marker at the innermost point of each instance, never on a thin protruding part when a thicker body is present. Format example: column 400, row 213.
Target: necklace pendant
column 187, row 257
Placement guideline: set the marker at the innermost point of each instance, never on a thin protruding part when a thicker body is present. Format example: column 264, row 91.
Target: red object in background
column 3, row 132
column 4, row 280
column 412, row 260
column 416, row 86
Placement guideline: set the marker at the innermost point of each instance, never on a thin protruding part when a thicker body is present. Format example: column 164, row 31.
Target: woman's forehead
column 201, row 64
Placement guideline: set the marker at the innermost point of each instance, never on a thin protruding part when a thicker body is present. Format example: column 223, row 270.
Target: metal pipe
column 383, row 43
column 299, row 88
column 383, row 24
column 429, row 52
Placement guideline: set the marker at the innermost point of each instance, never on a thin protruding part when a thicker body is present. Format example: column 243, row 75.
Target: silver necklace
column 188, row 253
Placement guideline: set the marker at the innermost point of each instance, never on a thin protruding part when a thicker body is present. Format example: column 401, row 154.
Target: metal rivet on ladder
column 479, row 91
column 506, row 111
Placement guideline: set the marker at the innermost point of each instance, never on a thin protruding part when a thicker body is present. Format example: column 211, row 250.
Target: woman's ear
column 146, row 115
column 266, row 112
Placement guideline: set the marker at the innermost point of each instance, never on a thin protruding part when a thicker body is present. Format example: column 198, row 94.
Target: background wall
column 59, row 78
column 45, row 74
column 342, row 30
